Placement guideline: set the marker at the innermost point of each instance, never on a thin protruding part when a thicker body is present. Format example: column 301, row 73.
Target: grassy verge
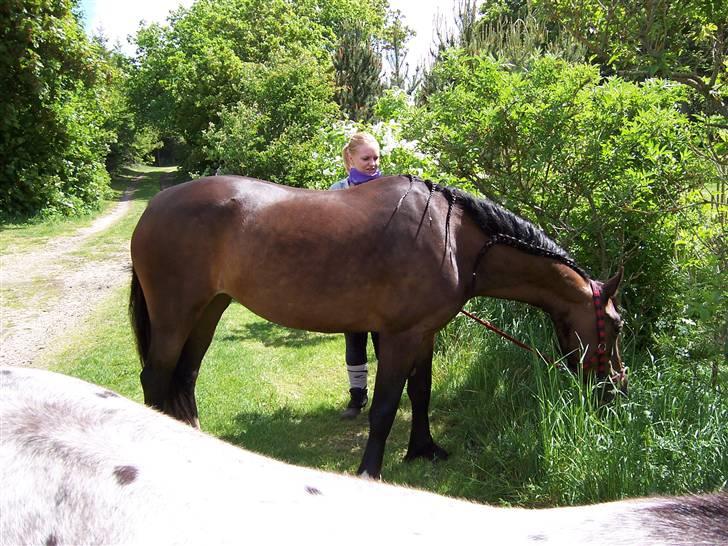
column 518, row 432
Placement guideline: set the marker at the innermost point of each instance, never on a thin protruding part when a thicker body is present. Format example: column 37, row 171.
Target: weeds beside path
column 49, row 287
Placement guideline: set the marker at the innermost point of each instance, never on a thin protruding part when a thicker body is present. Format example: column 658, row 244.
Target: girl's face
column 365, row 158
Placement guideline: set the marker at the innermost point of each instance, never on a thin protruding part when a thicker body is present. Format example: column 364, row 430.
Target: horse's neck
column 508, row 273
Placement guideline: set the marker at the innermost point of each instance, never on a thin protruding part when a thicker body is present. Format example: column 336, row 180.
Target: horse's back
column 230, row 202
column 210, row 194
column 252, row 193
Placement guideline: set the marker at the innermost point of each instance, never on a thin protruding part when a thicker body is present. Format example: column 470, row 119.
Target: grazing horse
column 398, row 256
column 82, row 465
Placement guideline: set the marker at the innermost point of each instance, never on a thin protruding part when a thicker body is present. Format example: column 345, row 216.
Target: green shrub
column 53, row 111
column 606, row 167
column 271, row 133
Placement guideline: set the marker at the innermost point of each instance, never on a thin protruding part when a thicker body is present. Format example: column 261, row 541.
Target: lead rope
column 501, row 333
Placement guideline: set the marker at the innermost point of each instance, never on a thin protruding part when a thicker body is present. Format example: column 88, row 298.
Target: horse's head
column 589, row 336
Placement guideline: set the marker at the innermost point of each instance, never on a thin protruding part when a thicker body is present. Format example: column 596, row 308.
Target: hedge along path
column 48, row 291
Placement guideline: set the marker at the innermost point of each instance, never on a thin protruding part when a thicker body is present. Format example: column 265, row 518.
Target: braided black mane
column 505, row 227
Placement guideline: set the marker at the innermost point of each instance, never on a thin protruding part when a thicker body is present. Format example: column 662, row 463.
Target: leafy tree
column 215, row 58
column 517, row 43
column 685, row 41
column 358, row 68
column 132, row 141
column 271, row 131
column 396, row 36
column 336, row 15
column 54, row 107
column 503, row 10
column 190, row 70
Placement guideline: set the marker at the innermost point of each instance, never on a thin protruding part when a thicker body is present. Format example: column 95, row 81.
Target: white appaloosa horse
column 82, row 465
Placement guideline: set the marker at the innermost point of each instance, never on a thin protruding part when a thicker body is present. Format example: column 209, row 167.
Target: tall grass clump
column 667, row 436
column 535, row 435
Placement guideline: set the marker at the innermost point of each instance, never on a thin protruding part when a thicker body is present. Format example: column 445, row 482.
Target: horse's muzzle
column 613, row 386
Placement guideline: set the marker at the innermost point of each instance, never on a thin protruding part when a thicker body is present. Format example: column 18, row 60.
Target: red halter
column 599, row 360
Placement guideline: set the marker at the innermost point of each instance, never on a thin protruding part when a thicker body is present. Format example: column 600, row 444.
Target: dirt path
column 73, row 287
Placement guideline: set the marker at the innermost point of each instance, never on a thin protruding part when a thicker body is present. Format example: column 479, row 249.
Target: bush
column 271, row 133
column 52, row 115
column 606, row 167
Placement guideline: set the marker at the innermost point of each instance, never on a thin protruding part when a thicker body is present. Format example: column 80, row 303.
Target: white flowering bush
column 399, row 154
column 299, row 155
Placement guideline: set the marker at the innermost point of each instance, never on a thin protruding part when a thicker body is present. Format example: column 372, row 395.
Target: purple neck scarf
column 358, row 177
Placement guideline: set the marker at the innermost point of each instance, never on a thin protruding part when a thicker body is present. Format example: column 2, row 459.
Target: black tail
column 139, row 317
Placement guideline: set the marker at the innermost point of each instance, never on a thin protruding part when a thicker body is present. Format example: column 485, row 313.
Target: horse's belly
column 315, row 311
column 362, row 301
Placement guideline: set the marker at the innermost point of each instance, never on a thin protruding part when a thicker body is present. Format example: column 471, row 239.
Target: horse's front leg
column 396, row 357
column 419, row 387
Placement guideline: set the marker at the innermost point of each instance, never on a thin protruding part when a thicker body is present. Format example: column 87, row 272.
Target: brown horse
column 398, row 256
column 82, row 465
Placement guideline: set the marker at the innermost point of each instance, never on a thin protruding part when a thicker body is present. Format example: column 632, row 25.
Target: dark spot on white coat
column 107, row 394
column 125, row 474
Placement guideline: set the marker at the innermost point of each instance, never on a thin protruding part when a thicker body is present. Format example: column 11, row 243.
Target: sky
column 117, row 19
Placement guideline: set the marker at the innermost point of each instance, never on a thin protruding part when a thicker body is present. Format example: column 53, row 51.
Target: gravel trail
column 34, row 318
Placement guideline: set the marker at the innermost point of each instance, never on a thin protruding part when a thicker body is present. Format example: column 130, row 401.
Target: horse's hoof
column 431, row 452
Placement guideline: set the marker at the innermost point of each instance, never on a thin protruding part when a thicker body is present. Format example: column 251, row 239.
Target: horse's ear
column 609, row 288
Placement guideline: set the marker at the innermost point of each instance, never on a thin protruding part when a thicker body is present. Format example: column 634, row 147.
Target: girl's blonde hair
column 357, row 140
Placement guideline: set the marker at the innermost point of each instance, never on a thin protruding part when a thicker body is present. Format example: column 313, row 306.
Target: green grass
column 518, row 431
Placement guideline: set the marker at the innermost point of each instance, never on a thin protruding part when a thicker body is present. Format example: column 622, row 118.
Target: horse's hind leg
column 419, row 387
column 181, row 399
column 396, row 356
column 178, row 341
column 159, row 365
